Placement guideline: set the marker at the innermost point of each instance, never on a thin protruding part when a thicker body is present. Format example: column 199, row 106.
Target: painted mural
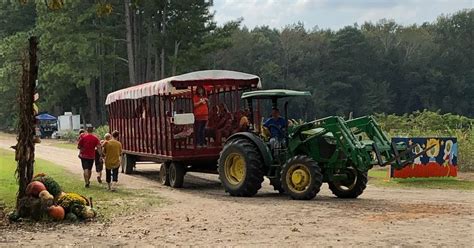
column 439, row 161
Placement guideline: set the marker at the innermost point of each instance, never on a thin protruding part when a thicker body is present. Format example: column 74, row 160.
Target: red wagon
column 156, row 121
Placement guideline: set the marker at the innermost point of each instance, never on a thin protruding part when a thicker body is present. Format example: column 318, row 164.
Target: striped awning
column 182, row 84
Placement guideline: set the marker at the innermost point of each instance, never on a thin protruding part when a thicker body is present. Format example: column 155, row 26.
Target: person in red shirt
column 87, row 145
column 201, row 115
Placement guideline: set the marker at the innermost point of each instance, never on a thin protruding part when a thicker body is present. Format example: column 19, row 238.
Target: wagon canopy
column 182, row 84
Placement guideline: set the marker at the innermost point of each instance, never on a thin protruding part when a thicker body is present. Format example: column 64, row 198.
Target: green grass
column 378, row 177
column 107, row 203
column 70, row 146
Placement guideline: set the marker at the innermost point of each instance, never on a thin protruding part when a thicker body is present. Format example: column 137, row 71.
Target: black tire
column 164, row 174
column 247, row 166
column 276, row 183
column 301, row 168
column 351, row 188
column 176, row 173
column 128, row 163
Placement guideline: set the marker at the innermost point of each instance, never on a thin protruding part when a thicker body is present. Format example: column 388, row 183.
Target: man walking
column 88, row 143
column 112, row 152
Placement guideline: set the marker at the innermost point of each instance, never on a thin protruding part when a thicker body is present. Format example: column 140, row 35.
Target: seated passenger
column 224, row 125
column 243, row 121
column 276, row 124
column 211, row 124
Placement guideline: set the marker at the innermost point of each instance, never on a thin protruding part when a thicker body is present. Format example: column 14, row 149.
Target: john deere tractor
column 332, row 150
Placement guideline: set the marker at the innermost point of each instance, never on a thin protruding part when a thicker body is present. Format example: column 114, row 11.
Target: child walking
column 112, row 153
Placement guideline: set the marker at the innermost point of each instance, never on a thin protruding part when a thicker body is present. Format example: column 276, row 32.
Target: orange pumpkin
column 56, row 212
column 34, row 188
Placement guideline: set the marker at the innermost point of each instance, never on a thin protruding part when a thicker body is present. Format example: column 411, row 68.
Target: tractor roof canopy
column 273, row 94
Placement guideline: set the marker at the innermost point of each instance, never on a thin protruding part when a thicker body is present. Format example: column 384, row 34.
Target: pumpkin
column 56, row 212
column 71, row 217
column 34, row 188
column 45, row 195
column 51, row 185
column 46, row 198
column 88, row 213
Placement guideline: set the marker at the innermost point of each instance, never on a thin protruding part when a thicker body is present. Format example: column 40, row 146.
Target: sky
column 333, row 14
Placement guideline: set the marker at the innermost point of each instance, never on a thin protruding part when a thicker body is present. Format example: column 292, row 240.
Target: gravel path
column 201, row 214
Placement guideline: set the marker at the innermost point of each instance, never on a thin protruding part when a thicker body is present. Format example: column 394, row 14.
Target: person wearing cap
column 87, row 145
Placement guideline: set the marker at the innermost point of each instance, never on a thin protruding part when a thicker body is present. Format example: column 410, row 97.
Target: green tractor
column 300, row 157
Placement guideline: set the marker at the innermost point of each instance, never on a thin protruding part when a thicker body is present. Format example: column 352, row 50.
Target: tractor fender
column 262, row 147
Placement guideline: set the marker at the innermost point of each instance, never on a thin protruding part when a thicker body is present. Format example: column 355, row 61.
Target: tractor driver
column 276, row 124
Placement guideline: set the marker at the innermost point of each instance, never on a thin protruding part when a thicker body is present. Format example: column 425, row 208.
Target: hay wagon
column 156, row 121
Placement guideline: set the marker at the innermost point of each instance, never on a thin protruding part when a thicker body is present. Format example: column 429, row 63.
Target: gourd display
column 46, row 200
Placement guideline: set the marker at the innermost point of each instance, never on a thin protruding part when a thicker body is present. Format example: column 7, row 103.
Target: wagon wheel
column 301, row 178
column 176, row 174
column 352, row 187
column 164, row 174
column 128, row 163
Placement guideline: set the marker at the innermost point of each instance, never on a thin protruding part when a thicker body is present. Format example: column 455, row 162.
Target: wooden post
column 25, row 149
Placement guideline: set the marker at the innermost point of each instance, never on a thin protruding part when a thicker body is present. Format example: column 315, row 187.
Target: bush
column 427, row 123
column 70, row 136
column 101, row 131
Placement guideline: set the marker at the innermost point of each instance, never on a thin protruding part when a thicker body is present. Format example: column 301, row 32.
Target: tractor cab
column 273, row 129
column 266, row 130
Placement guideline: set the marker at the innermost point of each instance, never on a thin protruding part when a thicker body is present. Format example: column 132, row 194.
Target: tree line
column 90, row 48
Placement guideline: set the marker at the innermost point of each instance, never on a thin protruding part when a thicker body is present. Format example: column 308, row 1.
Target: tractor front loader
column 329, row 150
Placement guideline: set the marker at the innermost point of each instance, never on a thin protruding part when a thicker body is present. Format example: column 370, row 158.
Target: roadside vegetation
column 434, row 124
column 108, row 204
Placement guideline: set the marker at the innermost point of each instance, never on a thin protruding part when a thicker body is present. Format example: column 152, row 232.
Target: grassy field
column 378, row 177
column 107, row 203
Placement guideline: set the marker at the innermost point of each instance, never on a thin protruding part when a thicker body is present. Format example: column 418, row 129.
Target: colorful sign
column 439, row 161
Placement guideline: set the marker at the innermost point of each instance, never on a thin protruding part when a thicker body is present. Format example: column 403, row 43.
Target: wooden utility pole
column 25, row 148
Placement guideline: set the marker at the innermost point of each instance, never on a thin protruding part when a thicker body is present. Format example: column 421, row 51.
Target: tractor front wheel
column 301, row 178
column 239, row 168
column 352, row 187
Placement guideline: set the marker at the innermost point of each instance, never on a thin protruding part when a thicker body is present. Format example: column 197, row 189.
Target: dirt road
column 201, row 214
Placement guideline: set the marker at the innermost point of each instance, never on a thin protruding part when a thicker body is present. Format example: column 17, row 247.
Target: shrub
column 101, row 131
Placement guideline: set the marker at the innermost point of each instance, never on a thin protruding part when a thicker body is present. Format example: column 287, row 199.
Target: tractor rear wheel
column 164, row 174
column 239, row 168
column 176, row 174
column 352, row 187
column 301, row 178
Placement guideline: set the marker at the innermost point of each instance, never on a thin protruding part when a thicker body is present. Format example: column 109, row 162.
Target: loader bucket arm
column 386, row 152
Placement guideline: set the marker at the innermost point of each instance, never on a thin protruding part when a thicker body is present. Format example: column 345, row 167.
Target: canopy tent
column 181, row 84
column 46, row 117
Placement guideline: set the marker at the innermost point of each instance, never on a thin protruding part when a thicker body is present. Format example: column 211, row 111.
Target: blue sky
column 333, row 14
